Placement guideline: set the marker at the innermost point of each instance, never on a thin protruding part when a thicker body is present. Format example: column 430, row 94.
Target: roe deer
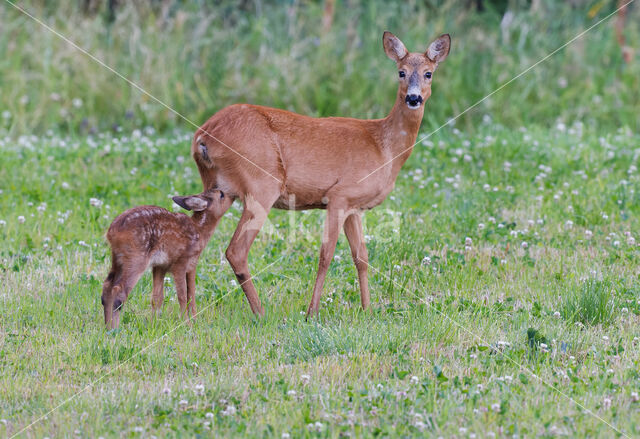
column 274, row 158
column 152, row 236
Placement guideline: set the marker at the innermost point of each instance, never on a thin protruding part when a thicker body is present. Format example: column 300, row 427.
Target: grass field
column 501, row 261
column 504, row 266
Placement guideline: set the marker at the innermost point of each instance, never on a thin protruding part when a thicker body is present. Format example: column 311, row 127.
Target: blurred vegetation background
column 321, row 58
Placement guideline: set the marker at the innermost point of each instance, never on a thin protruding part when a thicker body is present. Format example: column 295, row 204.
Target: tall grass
column 198, row 57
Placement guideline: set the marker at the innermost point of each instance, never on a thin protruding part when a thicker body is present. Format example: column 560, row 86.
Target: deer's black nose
column 117, row 304
column 413, row 100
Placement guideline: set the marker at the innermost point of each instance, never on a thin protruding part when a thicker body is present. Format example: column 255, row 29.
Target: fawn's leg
column 355, row 236
column 253, row 217
column 157, row 295
column 332, row 226
column 180, row 279
column 191, row 292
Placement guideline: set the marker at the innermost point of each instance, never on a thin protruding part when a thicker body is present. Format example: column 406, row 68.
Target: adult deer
column 274, row 158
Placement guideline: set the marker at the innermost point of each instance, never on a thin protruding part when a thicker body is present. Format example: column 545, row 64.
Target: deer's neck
column 205, row 223
column 400, row 131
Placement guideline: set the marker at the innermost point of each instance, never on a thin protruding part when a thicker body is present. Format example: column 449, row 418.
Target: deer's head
column 212, row 202
column 415, row 69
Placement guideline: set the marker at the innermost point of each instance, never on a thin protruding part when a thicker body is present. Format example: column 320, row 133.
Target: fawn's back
column 160, row 236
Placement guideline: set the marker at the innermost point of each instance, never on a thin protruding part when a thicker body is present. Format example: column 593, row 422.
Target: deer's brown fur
column 168, row 242
column 274, row 158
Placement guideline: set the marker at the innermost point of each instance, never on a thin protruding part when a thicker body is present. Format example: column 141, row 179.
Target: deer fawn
column 274, row 158
column 152, row 236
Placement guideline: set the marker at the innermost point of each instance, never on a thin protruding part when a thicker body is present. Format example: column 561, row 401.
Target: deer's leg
column 157, row 296
column 253, row 217
column 355, row 236
column 180, row 279
column 191, row 292
column 332, row 226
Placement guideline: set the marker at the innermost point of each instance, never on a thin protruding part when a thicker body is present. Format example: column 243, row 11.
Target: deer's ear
column 439, row 49
column 393, row 47
column 194, row 202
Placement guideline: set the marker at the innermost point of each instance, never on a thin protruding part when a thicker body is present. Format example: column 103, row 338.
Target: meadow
column 504, row 266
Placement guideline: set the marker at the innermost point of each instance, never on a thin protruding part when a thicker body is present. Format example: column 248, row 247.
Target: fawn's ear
column 393, row 47
column 439, row 49
column 193, row 202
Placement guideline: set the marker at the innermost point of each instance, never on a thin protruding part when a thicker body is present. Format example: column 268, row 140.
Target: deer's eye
column 427, row 75
column 401, row 74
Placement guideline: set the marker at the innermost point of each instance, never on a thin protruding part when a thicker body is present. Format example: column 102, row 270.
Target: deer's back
column 152, row 232
column 307, row 157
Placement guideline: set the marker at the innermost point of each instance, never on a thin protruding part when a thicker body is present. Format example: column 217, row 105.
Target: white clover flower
column 495, row 407
column 229, row 411
column 6, row 115
column 524, row 245
column 414, row 380
column 468, row 241
column 588, row 234
column 634, row 397
column 606, row 403
column 77, row 102
column 21, row 219
column 209, row 415
column 199, row 389
column 138, row 429
column 426, row 260
column 3, row 223
column 285, row 435
column 292, row 393
column 556, row 314
column 568, row 224
column 481, row 226
column 183, row 402
column 95, row 202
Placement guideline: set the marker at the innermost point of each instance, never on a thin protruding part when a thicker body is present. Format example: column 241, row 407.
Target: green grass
column 455, row 314
column 199, row 58
column 504, row 265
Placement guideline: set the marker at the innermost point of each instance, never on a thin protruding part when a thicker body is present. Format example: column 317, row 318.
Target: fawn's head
column 415, row 69
column 112, row 300
column 213, row 203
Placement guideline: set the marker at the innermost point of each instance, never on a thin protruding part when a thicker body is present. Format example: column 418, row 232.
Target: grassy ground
column 199, row 58
column 501, row 261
